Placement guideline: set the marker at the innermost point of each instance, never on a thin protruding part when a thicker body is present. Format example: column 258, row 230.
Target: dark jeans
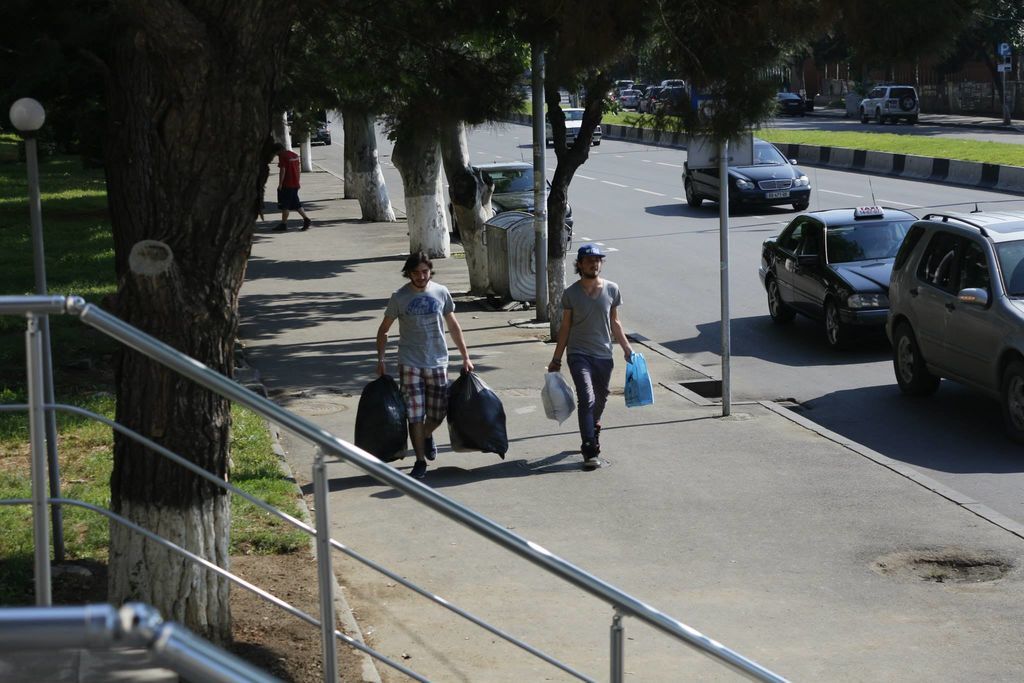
column 591, row 376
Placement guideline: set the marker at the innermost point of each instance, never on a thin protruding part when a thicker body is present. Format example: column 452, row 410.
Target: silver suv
column 956, row 307
column 891, row 103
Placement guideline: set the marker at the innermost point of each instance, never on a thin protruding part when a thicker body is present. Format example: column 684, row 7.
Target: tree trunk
column 471, row 203
column 189, row 89
column 362, row 168
column 306, row 154
column 417, row 155
column 569, row 160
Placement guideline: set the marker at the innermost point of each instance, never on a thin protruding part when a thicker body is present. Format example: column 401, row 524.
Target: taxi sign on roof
column 868, row 212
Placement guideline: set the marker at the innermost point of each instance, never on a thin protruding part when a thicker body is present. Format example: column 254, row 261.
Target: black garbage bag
column 381, row 419
column 476, row 418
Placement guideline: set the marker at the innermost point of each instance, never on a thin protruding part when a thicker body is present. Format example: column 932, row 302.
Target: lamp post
column 28, row 117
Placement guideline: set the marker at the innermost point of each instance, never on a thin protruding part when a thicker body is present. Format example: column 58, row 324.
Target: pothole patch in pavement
column 943, row 565
column 316, row 402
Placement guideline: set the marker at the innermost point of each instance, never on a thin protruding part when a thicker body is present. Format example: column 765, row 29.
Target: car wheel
column 863, row 115
column 692, row 198
column 1013, row 400
column 907, row 362
column 878, row 117
column 777, row 308
column 837, row 333
column 801, row 206
column 596, row 143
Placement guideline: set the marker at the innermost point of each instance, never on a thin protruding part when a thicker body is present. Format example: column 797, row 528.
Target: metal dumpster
column 510, row 255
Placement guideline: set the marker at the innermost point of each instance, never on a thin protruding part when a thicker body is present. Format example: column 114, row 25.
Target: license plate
column 781, row 194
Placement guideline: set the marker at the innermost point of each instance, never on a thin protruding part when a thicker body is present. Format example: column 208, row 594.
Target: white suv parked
column 890, row 103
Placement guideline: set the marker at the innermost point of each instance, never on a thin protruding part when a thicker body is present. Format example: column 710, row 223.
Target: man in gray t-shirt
column 422, row 309
column 590, row 322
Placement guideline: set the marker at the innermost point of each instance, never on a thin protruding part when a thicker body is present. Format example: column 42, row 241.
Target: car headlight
column 868, row 301
column 802, row 181
column 744, row 184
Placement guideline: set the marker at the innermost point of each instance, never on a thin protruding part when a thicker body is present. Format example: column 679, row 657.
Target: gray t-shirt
column 420, row 315
column 591, row 331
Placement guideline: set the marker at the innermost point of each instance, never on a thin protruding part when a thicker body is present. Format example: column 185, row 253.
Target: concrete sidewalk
column 810, row 555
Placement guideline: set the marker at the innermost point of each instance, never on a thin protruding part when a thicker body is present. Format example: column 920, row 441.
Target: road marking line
column 647, row 161
column 608, row 182
column 679, row 199
column 585, row 177
column 665, row 163
column 618, row 156
column 656, row 194
column 893, row 201
column 845, row 194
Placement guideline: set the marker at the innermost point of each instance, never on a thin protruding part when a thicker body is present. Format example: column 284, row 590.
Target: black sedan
column 770, row 181
column 834, row 266
column 790, row 104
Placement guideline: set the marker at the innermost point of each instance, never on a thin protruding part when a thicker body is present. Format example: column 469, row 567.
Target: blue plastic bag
column 639, row 390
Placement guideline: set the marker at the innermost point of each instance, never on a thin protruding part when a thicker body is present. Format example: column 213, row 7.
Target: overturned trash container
column 511, row 264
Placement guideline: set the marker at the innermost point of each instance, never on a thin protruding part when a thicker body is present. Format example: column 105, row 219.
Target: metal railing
column 135, row 625
column 623, row 604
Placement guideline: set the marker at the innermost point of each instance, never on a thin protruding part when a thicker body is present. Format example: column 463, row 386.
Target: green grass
column 940, row 147
column 80, row 260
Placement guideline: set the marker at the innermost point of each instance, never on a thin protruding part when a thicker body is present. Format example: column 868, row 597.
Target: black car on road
column 790, row 103
column 770, row 181
column 834, row 266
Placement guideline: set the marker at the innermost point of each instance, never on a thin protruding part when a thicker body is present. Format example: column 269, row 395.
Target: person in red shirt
column 288, row 187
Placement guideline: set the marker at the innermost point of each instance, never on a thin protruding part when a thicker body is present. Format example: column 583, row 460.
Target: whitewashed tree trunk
column 363, row 175
column 281, row 129
column 306, row 155
column 197, row 596
column 471, row 203
column 417, row 155
column 286, row 131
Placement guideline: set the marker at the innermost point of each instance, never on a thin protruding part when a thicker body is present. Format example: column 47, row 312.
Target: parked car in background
column 673, row 82
column 673, row 99
column 957, row 308
column 321, row 135
column 891, row 103
column 770, row 181
column 790, row 104
column 573, row 121
column 834, row 266
column 647, row 101
column 629, row 99
column 513, row 189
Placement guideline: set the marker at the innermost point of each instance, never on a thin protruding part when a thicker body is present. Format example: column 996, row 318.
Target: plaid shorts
column 425, row 391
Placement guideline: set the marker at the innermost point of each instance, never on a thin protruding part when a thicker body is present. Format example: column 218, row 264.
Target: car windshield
column 864, row 241
column 511, row 180
column 767, row 155
column 574, row 115
column 787, row 96
column 1011, row 262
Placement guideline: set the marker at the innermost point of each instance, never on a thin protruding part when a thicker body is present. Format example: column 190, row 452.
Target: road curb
column 904, row 470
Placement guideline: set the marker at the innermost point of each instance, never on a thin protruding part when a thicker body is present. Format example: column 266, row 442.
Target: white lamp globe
column 27, row 115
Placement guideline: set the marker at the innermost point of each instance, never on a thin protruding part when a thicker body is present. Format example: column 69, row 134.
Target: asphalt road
column 665, row 255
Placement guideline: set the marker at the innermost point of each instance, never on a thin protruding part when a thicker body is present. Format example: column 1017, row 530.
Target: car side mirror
column 807, row 259
column 792, row 161
column 974, row 296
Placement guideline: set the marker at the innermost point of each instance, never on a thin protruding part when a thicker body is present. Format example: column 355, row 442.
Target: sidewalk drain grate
column 705, row 388
column 951, row 565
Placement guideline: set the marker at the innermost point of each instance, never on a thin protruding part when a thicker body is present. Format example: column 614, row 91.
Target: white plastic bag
column 557, row 397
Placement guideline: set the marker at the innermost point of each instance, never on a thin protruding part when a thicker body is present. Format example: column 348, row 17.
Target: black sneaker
column 305, row 224
column 429, row 448
column 419, row 469
column 590, row 460
column 280, row 227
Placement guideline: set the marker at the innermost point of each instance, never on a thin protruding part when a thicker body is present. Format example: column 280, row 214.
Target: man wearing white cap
column 590, row 322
